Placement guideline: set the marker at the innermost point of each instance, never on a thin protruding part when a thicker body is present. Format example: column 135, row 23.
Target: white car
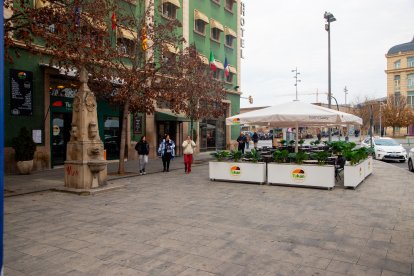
column 386, row 149
column 411, row 160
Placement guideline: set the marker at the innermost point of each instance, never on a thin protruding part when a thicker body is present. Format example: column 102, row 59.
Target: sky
column 282, row 35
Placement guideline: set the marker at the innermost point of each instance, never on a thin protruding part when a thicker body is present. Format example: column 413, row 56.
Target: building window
column 229, row 5
column 397, row 64
column 229, row 78
column 217, row 74
column 410, row 82
column 125, row 46
column 229, row 35
column 200, row 22
column 200, row 27
column 229, row 41
column 410, row 101
column 397, row 81
column 169, row 10
column 216, row 28
column 397, row 97
column 215, row 34
column 410, row 62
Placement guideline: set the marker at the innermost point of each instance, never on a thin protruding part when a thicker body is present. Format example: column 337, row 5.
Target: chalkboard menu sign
column 137, row 124
column 21, row 93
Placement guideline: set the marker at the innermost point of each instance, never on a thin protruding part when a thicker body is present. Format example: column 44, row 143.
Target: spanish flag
column 113, row 20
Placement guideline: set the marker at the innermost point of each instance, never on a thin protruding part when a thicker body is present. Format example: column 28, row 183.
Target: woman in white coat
column 188, row 149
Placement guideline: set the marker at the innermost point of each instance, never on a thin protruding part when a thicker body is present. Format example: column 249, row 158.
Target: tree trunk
column 121, row 167
column 393, row 131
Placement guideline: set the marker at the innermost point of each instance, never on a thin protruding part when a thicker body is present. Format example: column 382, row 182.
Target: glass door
column 60, row 136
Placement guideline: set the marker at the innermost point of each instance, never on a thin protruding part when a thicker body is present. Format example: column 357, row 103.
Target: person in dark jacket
column 241, row 140
column 167, row 152
column 142, row 147
column 255, row 138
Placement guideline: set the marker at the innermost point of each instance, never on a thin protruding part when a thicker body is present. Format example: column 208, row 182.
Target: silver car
column 386, row 149
column 411, row 160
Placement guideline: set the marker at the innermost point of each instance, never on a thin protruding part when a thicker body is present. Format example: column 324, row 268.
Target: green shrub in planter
column 301, row 142
column 220, row 155
column 24, row 146
column 299, row 156
column 291, row 143
column 321, row 157
column 236, row 155
column 253, row 155
column 283, row 142
column 281, row 156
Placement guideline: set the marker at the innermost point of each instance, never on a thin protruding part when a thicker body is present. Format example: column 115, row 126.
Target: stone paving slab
column 178, row 224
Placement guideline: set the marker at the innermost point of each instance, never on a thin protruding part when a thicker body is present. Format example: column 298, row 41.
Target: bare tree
column 397, row 113
column 203, row 96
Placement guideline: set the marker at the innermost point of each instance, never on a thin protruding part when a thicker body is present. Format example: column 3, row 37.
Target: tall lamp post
column 296, row 81
column 329, row 17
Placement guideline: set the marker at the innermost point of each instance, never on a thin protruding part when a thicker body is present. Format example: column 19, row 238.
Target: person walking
column 142, row 147
column 241, row 140
column 166, row 149
column 255, row 138
column 188, row 149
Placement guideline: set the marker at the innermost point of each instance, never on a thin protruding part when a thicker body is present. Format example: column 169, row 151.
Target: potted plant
column 253, row 156
column 321, row 156
column 299, row 174
column 220, row 155
column 281, row 156
column 301, row 142
column 24, row 148
column 359, row 166
column 283, row 142
column 299, row 157
column 229, row 167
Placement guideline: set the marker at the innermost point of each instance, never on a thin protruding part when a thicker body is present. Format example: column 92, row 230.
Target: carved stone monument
column 85, row 167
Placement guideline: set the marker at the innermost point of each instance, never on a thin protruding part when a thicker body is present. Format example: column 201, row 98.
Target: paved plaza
column 178, row 224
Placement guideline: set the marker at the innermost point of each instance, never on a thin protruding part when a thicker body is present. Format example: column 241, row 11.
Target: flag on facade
column 213, row 66
column 226, row 68
column 113, row 20
column 144, row 39
column 77, row 16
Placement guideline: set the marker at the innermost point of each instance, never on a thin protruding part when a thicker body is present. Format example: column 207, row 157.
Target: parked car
column 411, row 160
column 386, row 149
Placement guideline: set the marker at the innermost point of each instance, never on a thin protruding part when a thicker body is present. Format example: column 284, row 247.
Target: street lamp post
column 380, row 118
column 329, row 17
column 296, row 81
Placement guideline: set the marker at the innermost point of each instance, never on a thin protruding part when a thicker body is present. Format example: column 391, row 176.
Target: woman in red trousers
column 188, row 148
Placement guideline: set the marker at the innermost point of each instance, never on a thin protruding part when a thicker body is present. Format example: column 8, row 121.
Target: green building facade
column 46, row 110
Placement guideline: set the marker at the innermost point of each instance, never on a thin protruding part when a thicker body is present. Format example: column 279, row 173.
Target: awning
column 171, row 48
column 100, row 24
column 41, row 4
column 128, row 34
column 204, row 59
column 219, row 65
column 200, row 16
column 170, row 116
column 228, row 31
column 216, row 24
column 174, row 2
column 232, row 69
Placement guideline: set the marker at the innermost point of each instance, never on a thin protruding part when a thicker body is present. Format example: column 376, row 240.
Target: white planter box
column 368, row 166
column 238, row 171
column 354, row 174
column 301, row 175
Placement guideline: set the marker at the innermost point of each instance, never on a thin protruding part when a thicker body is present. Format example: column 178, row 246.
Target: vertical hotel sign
column 242, row 23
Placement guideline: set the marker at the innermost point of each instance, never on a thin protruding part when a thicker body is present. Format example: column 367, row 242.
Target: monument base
column 78, row 175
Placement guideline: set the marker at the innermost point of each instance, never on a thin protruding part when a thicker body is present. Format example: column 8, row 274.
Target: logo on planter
column 298, row 175
column 235, row 171
column 236, row 121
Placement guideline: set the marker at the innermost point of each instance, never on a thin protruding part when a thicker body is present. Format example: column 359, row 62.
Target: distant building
column 400, row 76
